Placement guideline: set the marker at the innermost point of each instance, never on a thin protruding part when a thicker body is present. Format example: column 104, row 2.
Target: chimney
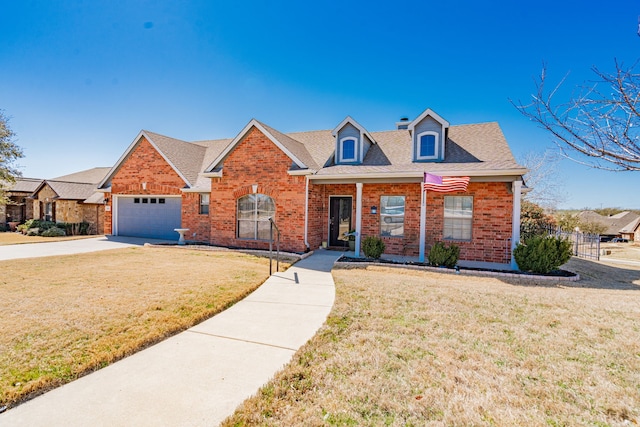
column 403, row 124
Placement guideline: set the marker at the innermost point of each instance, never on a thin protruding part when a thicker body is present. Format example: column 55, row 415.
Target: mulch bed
column 555, row 274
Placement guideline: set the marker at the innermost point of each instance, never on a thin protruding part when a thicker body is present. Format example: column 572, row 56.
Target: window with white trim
column 347, row 149
column 458, row 217
column 204, row 203
column 427, row 146
column 392, row 216
column 254, row 211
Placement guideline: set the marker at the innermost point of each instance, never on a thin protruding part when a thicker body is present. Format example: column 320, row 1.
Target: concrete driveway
column 68, row 247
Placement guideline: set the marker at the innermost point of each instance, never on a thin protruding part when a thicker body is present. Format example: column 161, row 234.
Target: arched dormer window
column 427, row 146
column 347, row 150
column 254, row 211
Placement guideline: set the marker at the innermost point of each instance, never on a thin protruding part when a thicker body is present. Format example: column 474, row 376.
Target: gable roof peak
column 295, row 150
column 355, row 124
column 428, row 112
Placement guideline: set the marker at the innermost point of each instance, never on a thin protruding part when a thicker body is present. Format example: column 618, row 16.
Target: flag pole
column 423, row 221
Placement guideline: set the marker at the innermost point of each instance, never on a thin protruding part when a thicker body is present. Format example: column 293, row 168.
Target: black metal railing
column 273, row 225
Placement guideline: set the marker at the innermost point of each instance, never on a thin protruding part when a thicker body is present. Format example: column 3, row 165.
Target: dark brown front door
column 339, row 220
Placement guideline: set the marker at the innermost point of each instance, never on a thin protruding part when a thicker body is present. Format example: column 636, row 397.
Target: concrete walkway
column 198, row 377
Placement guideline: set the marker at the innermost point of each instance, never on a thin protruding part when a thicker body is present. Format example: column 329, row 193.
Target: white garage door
column 149, row 216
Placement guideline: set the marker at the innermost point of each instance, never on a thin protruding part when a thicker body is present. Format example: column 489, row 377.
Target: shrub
column 3, row 228
column 33, row 232
column 22, row 228
column 53, row 232
column 542, row 254
column 373, row 247
column 442, row 255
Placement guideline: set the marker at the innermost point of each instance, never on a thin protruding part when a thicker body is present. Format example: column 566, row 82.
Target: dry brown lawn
column 406, row 347
column 62, row 317
column 625, row 251
column 11, row 238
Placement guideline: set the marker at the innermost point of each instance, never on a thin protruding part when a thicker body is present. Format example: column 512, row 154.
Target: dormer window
column 428, row 133
column 347, row 149
column 427, row 148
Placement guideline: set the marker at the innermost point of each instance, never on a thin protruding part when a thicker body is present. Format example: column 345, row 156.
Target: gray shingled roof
column 474, row 149
column 91, row 176
column 185, row 156
column 615, row 223
column 25, row 185
column 71, row 190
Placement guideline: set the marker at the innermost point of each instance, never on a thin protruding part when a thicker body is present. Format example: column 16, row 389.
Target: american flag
column 445, row 184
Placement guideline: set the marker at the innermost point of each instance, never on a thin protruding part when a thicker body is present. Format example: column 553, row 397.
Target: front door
column 339, row 220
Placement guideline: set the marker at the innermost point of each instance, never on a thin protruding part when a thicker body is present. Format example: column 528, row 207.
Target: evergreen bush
column 542, row 254
column 53, row 232
column 442, row 255
column 373, row 247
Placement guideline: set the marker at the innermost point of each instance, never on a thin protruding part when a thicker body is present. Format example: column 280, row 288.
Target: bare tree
column 9, row 152
column 543, row 179
column 600, row 127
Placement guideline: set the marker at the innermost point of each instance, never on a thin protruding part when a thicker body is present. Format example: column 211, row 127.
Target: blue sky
column 80, row 79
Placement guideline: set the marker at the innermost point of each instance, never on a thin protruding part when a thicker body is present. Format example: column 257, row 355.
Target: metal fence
column 584, row 245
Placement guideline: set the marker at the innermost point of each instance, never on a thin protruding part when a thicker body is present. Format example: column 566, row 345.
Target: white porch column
column 358, row 216
column 516, row 188
column 423, row 221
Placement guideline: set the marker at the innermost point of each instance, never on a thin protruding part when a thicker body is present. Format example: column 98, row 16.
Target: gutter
column 420, row 174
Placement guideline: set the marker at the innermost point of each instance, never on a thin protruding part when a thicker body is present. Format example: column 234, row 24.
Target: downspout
column 306, row 212
column 516, row 187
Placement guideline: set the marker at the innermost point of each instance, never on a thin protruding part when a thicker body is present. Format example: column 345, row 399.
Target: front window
column 458, row 217
column 48, row 211
column 427, row 148
column 254, row 211
column 348, row 150
column 392, row 216
column 204, row 204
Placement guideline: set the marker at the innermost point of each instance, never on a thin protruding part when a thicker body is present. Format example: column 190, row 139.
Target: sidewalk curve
column 199, row 376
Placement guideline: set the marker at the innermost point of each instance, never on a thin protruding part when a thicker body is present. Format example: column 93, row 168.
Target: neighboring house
column 72, row 198
column 319, row 185
column 631, row 231
column 623, row 224
column 20, row 207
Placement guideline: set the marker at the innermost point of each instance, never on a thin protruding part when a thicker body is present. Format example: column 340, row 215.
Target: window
column 136, row 200
column 458, row 217
column 254, row 211
column 145, row 200
column 348, row 149
column 427, row 146
column 392, row 216
column 161, row 201
column 152, row 200
column 48, row 211
column 204, row 204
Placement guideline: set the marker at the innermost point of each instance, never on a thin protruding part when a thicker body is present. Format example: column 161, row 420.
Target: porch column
column 423, row 221
column 358, row 216
column 516, row 188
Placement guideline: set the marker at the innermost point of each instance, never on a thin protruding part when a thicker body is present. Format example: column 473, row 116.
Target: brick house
column 319, row 185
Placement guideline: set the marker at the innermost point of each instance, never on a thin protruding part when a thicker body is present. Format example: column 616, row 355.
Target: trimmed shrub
column 373, row 247
column 542, row 254
column 53, row 232
column 441, row 255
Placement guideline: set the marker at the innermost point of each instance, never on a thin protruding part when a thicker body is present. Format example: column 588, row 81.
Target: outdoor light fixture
column 374, row 210
column 105, row 201
column 254, row 187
